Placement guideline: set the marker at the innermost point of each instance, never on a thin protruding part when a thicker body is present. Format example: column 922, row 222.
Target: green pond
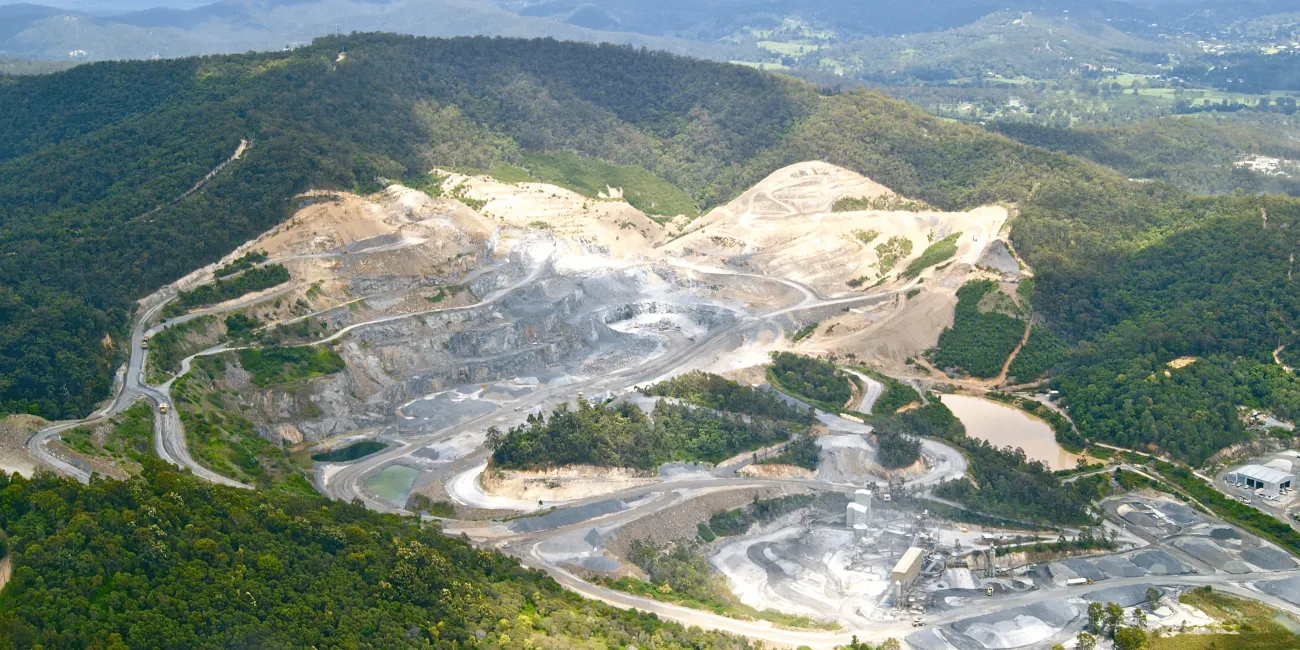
column 393, row 484
column 349, row 453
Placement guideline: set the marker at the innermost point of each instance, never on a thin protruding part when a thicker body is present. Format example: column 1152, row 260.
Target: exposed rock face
column 554, row 324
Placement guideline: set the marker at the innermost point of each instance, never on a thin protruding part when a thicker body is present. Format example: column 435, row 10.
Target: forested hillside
column 167, row 561
column 91, row 160
column 1198, row 154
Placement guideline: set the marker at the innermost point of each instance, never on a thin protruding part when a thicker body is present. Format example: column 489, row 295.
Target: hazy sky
column 115, row 6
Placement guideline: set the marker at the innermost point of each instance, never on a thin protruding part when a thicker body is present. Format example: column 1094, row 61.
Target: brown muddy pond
column 1003, row 425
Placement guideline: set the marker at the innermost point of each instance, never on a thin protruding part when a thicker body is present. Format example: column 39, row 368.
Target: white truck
column 1075, row 582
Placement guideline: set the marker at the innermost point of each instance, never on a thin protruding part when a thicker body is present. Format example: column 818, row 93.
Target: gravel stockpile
column 998, row 257
column 1288, row 589
column 1268, row 558
column 1160, row 563
column 1029, row 626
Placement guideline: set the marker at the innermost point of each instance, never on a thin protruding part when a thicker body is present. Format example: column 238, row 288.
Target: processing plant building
column 1259, row 477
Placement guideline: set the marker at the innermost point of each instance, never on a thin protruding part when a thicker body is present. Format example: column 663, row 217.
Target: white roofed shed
column 1258, row 477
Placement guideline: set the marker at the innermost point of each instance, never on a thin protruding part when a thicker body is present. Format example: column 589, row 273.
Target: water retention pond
column 1003, row 425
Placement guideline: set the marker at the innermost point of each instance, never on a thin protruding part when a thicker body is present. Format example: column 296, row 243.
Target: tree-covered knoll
column 722, row 394
column 168, row 561
column 810, row 378
column 895, row 449
column 622, row 435
column 979, row 341
column 243, row 263
column 736, row 521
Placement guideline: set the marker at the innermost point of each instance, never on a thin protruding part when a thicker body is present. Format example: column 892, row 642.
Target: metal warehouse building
column 1259, row 477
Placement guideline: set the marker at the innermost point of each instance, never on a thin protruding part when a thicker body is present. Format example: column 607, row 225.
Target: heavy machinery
column 162, row 408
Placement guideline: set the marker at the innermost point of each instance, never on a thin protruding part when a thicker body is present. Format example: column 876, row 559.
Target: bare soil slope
column 784, row 226
column 613, row 224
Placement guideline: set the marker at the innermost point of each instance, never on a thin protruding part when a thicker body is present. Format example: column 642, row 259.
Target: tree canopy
column 168, row 561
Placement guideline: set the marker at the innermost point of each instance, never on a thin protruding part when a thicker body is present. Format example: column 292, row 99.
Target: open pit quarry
column 451, row 320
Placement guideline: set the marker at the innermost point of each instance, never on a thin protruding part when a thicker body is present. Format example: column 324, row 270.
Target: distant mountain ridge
column 702, row 28
column 40, row 32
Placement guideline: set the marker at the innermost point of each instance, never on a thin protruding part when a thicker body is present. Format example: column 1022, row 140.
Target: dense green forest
column 981, row 338
column 720, row 393
column 814, row 379
column 165, row 560
column 622, row 435
column 1040, row 354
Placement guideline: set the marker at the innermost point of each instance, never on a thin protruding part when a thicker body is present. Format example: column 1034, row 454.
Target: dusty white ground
column 14, row 430
column 562, row 484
